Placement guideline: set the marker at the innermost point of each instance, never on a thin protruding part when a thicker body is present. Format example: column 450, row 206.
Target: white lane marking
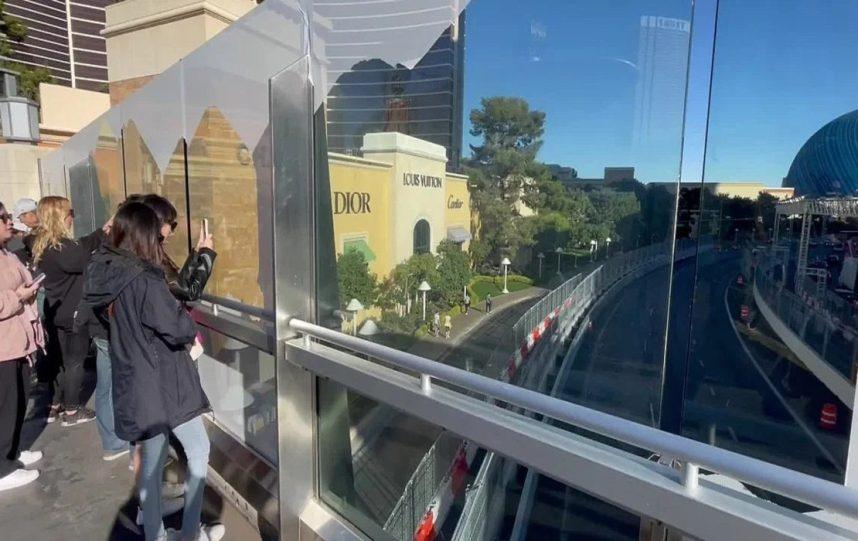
column 783, row 401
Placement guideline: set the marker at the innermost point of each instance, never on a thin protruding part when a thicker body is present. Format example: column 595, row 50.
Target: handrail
column 799, row 486
column 261, row 313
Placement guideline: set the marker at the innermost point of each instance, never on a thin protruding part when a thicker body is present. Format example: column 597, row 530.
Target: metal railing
column 798, row 486
column 817, row 328
column 420, row 489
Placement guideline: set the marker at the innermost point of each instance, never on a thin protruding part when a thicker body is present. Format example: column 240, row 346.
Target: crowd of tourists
column 114, row 294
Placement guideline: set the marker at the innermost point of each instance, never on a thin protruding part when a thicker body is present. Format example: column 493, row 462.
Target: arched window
column 421, row 237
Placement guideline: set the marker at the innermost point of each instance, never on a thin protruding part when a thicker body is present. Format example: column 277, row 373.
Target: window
column 421, row 237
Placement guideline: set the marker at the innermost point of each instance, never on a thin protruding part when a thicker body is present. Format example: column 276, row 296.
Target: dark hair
column 165, row 210
column 167, row 214
column 136, row 229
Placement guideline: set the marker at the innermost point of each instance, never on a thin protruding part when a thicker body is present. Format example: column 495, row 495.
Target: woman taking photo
column 64, row 260
column 21, row 334
column 156, row 385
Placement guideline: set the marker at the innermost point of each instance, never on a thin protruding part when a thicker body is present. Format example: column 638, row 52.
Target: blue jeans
column 192, row 435
column 110, row 442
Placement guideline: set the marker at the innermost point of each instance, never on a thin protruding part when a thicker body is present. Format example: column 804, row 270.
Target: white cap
column 23, row 206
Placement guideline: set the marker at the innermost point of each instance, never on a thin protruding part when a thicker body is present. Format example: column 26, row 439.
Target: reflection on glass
column 222, row 181
column 142, row 176
column 542, row 257
column 772, row 338
column 239, row 381
column 109, row 185
column 81, row 196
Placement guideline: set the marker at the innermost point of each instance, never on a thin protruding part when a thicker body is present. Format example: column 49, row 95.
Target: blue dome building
column 827, row 163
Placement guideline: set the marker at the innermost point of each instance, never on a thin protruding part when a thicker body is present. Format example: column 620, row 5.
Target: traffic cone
column 828, row 418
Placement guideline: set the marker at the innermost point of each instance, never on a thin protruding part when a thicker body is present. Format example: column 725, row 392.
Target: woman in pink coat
column 20, row 336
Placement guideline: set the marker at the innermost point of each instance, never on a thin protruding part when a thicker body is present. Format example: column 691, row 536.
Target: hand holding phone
column 38, row 279
column 205, row 240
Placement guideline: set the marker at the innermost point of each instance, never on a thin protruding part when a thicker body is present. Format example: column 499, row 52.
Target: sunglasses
column 173, row 226
column 71, row 213
column 6, row 217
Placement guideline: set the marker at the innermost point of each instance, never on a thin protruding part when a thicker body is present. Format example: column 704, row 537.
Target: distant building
column 424, row 102
column 562, row 173
column 64, row 37
column 662, row 65
column 611, row 174
column 827, row 164
column 750, row 190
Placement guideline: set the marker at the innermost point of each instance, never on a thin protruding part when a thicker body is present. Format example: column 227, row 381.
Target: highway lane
column 737, row 396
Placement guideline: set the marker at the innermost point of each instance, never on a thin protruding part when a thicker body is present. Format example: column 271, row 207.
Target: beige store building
column 397, row 200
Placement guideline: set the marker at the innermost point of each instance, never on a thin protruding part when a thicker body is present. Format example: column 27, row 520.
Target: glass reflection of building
column 660, row 92
column 424, row 102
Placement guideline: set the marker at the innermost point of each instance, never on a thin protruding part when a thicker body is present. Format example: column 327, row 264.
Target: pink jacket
column 20, row 328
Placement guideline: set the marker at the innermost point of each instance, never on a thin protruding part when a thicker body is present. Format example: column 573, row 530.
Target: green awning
column 361, row 246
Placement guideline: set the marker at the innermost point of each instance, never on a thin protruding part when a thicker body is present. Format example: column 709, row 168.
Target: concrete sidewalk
column 79, row 496
column 464, row 325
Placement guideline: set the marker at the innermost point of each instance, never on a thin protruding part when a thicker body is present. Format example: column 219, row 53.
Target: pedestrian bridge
column 317, row 433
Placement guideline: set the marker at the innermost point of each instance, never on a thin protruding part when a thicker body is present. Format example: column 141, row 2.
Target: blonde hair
column 52, row 229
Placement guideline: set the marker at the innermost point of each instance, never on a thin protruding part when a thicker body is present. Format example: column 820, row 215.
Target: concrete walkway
column 464, row 325
column 79, row 496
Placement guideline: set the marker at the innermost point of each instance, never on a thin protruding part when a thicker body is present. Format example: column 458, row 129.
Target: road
column 740, row 395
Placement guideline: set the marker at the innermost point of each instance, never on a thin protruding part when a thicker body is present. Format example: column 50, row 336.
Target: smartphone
column 38, row 279
column 205, row 227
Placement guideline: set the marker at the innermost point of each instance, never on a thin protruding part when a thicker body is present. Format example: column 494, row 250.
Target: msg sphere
column 827, row 163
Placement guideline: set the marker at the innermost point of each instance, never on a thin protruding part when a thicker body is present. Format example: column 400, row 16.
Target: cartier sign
column 454, row 203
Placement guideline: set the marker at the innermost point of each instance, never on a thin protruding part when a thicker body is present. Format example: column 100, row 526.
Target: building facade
column 65, row 37
column 424, row 102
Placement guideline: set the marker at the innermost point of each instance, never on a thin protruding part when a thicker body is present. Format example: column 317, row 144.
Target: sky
column 782, row 69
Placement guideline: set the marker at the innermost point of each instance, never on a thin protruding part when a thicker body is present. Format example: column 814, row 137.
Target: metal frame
column 696, row 507
column 799, row 486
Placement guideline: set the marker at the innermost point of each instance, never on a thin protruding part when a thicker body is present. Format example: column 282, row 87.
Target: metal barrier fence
column 421, row 488
column 816, row 327
column 611, row 268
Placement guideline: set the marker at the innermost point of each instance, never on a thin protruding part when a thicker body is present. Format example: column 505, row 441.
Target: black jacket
column 187, row 285
column 156, row 385
column 64, row 267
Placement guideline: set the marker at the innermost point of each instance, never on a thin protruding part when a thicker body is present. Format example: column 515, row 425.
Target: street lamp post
column 354, row 307
column 541, row 256
column 558, row 251
column 424, row 287
column 593, row 247
column 607, row 247
column 505, row 263
column 736, row 236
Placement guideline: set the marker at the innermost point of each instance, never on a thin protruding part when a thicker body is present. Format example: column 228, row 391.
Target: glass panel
column 143, row 177
column 81, row 195
column 220, row 163
column 109, row 182
column 239, row 381
column 781, row 124
column 547, row 259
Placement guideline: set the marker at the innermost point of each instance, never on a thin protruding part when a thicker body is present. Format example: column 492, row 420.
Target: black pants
column 74, row 347
column 14, row 393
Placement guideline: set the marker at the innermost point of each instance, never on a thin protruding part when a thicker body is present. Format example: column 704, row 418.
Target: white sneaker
column 18, row 478
column 215, row 532
column 28, row 458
